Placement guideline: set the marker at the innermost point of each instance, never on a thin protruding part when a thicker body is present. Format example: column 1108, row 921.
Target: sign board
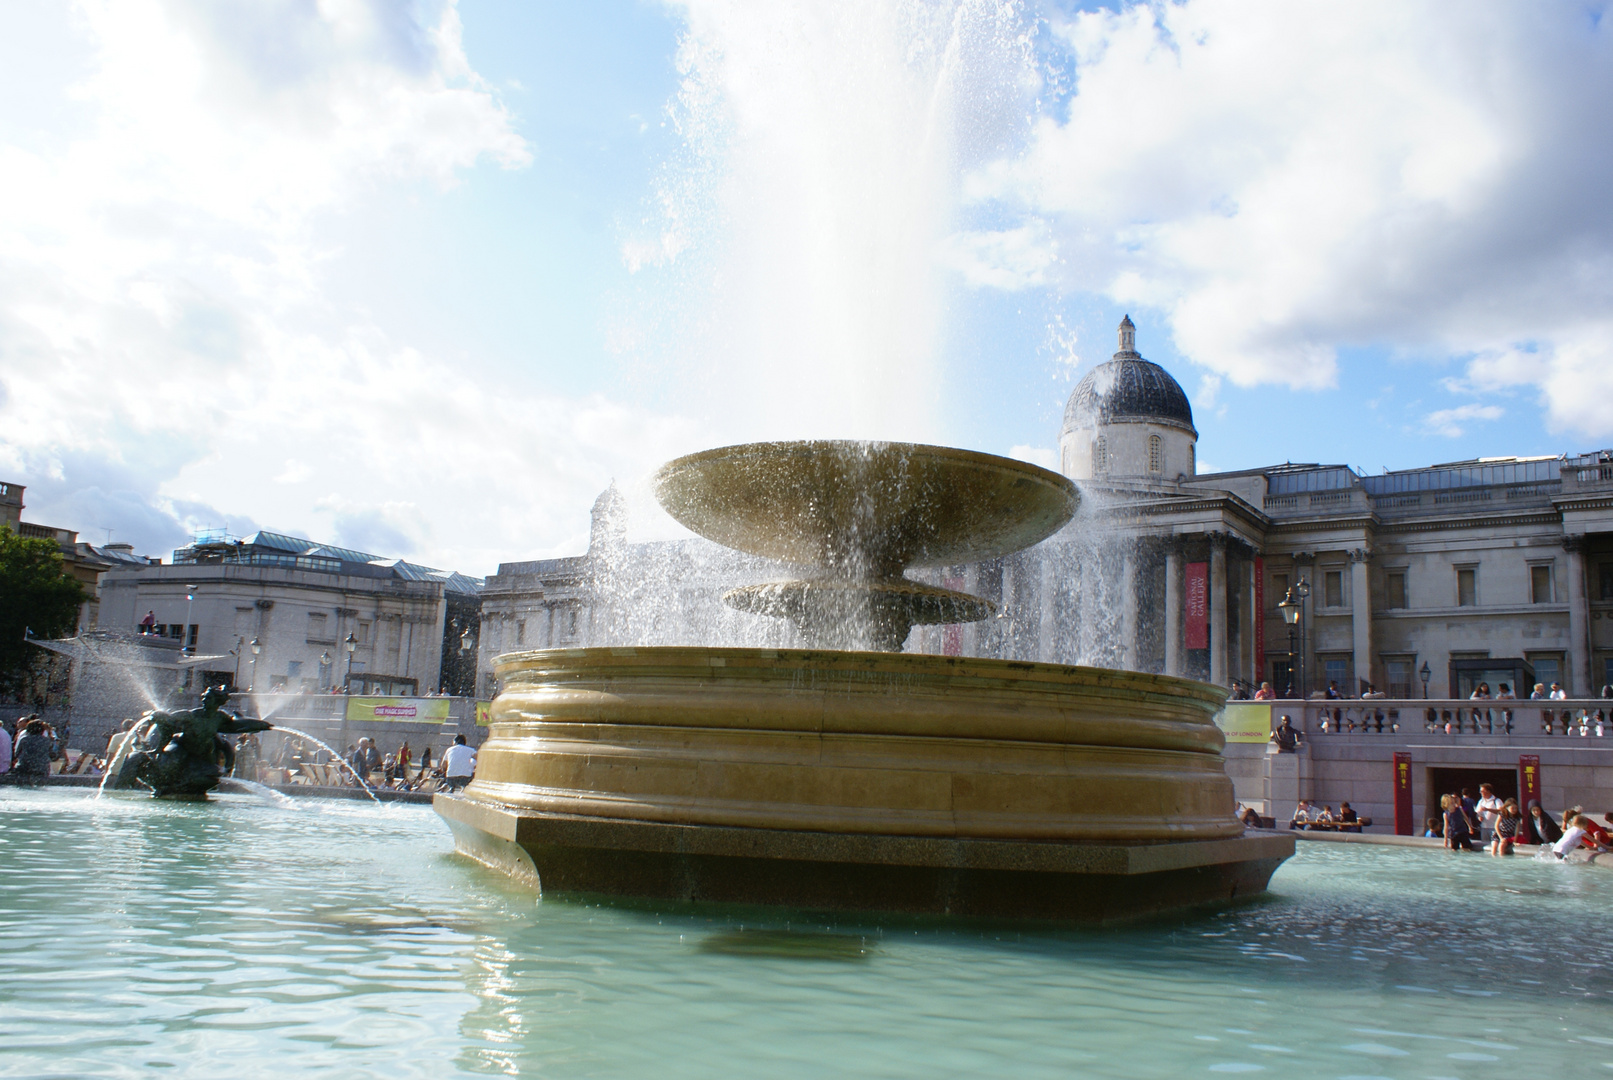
column 408, row 710
column 484, row 714
column 1404, row 825
column 1196, row 634
column 1245, row 722
column 1528, row 790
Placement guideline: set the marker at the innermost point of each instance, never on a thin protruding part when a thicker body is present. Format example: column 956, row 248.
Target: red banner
column 1404, row 825
column 1196, row 635
column 1528, row 788
column 1260, row 619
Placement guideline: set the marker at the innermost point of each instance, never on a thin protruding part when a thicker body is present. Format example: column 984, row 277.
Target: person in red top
column 1596, row 837
column 1265, row 693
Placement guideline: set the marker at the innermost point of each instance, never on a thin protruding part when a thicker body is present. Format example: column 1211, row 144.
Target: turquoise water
column 244, row 939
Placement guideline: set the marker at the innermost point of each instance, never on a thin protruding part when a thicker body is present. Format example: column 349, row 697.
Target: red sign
column 1404, row 826
column 1260, row 619
column 1197, row 632
column 1528, row 788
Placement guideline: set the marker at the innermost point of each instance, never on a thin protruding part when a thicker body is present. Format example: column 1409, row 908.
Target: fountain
column 850, row 775
column 176, row 754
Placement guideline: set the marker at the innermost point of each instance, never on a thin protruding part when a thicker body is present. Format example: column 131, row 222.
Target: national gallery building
column 1432, row 579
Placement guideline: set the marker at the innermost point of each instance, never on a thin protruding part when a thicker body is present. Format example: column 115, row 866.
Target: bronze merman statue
column 177, row 754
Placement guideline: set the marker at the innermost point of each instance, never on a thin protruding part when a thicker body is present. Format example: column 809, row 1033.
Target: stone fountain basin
column 858, row 781
column 848, row 742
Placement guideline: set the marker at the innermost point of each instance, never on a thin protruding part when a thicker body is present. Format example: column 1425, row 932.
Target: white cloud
column 167, row 358
column 1449, row 422
column 1036, row 455
column 1283, row 178
column 1007, row 259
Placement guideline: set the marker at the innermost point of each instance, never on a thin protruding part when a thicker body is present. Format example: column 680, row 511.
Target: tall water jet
column 859, row 778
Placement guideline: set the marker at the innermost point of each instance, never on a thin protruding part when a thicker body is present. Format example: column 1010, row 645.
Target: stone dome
column 1129, row 389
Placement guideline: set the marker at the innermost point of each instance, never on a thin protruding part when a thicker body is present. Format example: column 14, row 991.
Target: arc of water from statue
column 332, row 752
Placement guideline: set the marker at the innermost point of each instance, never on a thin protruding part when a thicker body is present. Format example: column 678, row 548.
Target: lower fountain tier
column 646, row 771
column 987, row 879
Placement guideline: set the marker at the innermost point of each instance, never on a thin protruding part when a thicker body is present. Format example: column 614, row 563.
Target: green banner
column 1245, row 721
column 408, row 710
column 484, row 714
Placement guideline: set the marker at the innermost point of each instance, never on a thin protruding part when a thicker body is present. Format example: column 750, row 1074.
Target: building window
column 1279, row 587
column 1467, row 586
column 1605, row 592
column 1399, row 673
column 363, row 633
column 1338, row 672
column 1333, row 588
column 293, row 668
column 317, row 624
column 1548, row 668
column 1540, row 584
column 1100, row 455
column 1192, row 459
column 1397, row 589
column 1156, row 454
column 520, row 631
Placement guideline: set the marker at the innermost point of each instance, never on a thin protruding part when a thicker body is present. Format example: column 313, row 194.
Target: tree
column 36, row 595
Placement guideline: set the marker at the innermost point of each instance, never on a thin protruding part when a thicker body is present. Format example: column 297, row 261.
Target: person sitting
column 1539, row 693
column 1545, row 828
column 1558, row 693
column 1304, row 815
column 1265, row 693
column 1325, row 820
column 1347, row 815
column 1505, row 693
column 1250, row 818
column 1507, row 826
column 458, row 764
column 1431, row 827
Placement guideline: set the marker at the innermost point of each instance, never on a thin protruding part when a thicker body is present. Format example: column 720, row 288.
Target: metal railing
column 1575, row 717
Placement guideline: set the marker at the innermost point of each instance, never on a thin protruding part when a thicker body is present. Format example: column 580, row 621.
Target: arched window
column 1100, row 455
column 1192, row 460
column 1156, row 454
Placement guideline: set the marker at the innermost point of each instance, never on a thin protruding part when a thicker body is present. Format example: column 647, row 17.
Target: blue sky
column 423, row 278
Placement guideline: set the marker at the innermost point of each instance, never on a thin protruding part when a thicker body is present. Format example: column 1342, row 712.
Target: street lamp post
column 1425, row 674
column 257, row 647
column 466, row 644
column 350, row 644
column 324, row 670
column 1293, row 609
column 190, row 599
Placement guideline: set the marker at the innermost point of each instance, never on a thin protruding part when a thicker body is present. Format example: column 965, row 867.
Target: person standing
column 404, row 757
column 5, row 750
column 1458, row 837
column 1489, row 808
column 458, row 764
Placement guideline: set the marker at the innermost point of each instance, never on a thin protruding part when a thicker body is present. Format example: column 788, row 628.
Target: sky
column 423, row 278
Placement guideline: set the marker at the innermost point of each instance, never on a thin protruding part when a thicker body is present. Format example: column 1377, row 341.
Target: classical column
column 1128, row 617
column 1173, row 608
column 1044, row 628
column 1246, row 633
column 1579, row 623
column 1218, row 609
column 1361, row 616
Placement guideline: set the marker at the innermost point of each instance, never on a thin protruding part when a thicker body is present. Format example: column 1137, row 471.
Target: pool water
column 244, row 938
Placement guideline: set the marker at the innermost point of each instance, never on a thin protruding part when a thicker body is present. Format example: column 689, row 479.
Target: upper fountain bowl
column 865, row 509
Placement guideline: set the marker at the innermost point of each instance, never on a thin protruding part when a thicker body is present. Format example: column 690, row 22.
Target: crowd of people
column 1469, row 822
column 397, row 771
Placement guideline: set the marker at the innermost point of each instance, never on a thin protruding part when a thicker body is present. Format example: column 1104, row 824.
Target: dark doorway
column 1452, row 781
